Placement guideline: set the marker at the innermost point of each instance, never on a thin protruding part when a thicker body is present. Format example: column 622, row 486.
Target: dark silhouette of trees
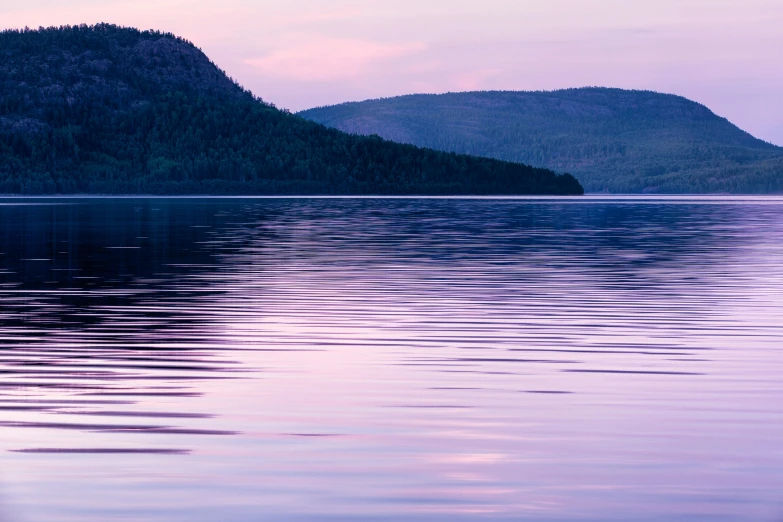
column 105, row 109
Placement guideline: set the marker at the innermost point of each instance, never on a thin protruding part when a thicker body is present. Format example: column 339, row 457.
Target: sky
column 726, row 54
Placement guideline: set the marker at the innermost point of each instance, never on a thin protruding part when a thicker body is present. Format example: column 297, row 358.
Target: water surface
column 391, row 359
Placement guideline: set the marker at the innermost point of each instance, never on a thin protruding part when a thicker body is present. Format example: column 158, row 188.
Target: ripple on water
column 388, row 359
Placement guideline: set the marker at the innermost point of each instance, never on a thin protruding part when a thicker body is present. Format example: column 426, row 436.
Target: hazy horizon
column 305, row 54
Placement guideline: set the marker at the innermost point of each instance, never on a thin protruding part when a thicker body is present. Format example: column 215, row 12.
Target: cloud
column 330, row 59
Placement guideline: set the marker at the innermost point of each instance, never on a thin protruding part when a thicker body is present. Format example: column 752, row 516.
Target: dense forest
column 106, row 109
column 613, row 140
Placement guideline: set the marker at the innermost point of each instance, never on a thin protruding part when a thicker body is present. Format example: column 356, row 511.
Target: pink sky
column 303, row 53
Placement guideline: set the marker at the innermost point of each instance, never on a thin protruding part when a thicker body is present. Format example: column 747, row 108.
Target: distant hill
column 611, row 139
column 105, row 109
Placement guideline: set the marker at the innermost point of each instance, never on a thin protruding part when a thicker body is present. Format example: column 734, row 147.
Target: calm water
column 379, row 359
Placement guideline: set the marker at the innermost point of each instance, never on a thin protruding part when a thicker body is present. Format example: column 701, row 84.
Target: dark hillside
column 105, row 109
column 611, row 139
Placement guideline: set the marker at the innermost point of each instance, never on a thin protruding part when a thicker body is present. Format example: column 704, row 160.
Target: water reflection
column 387, row 359
column 80, row 343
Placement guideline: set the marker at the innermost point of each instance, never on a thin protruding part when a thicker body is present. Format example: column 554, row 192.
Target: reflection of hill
column 572, row 341
column 539, row 276
column 96, row 335
column 110, row 306
column 625, row 236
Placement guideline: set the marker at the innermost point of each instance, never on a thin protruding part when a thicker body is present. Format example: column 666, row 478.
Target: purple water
column 588, row 359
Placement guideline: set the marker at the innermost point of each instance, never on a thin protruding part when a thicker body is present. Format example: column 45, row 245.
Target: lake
column 298, row 359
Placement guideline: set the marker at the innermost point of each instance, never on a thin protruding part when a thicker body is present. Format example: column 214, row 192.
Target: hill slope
column 611, row 139
column 115, row 110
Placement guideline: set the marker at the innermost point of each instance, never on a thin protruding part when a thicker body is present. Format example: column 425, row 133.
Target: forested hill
column 105, row 109
column 612, row 140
